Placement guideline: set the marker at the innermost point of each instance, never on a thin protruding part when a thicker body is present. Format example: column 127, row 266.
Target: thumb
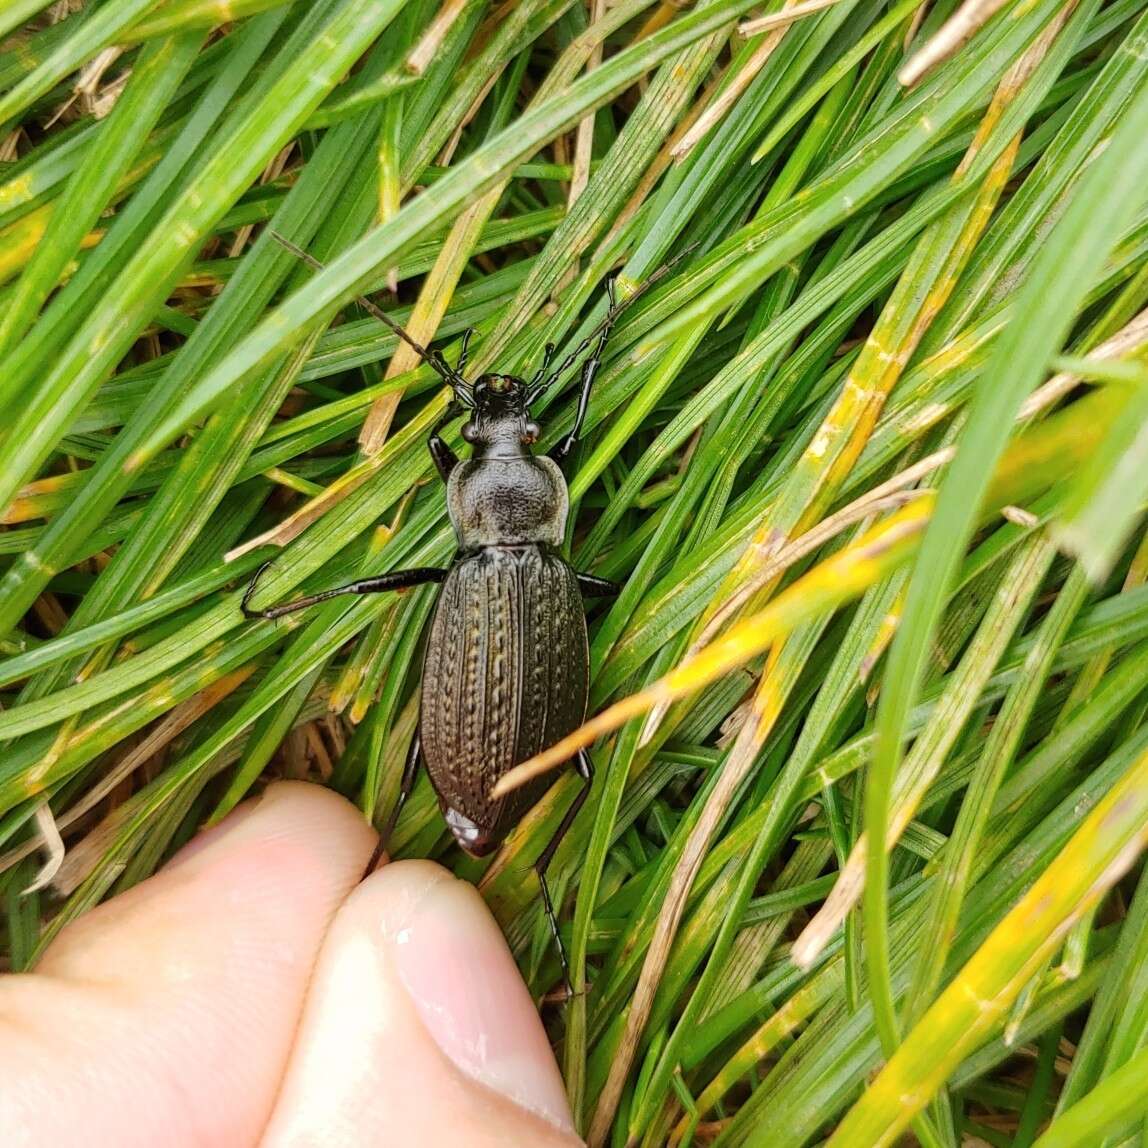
column 418, row 1027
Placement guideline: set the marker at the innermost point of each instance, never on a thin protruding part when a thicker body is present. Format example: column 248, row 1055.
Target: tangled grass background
column 871, row 463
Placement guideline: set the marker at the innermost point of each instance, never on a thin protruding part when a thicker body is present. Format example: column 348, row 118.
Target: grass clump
column 870, row 463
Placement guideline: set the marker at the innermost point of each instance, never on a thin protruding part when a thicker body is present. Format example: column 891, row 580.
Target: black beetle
column 506, row 662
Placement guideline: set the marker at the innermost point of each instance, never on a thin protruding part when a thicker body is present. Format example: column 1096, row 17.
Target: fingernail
column 457, row 969
column 211, row 837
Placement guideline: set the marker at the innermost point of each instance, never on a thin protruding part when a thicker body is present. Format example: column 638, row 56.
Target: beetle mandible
column 506, row 662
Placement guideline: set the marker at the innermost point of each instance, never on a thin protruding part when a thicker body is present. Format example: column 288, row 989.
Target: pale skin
column 254, row 992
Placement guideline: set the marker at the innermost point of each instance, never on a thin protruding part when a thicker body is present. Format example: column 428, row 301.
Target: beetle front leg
column 585, row 768
column 562, row 451
column 445, row 460
column 589, row 372
column 463, row 351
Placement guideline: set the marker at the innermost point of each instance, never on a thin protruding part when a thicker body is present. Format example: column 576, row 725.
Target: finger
column 166, row 1015
column 418, row 1029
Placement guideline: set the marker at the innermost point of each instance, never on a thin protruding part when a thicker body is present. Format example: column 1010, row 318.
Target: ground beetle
column 506, row 662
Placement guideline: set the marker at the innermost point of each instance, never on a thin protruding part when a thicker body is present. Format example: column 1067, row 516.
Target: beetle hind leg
column 410, row 773
column 585, row 768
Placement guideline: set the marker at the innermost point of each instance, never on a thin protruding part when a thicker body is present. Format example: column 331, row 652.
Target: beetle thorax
column 507, row 501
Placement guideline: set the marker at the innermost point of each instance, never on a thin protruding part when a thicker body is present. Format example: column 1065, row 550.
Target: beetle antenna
column 540, row 385
column 432, row 358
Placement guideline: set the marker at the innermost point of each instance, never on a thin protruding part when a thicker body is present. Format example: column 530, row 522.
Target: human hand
column 254, row 992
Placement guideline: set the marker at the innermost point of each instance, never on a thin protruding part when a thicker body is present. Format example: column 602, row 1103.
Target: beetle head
column 501, row 413
column 499, row 394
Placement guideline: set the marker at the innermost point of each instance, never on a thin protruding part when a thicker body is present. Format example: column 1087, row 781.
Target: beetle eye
column 531, row 431
column 469, row 432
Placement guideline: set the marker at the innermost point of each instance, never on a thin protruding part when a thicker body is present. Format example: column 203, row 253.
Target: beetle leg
column 585, row 768
column 589, row 372
column 445, row 459
column 561, row 452
column 540, row 374
column 394, row 580
column 467, row 335
column 594, row 587
column 410, row 772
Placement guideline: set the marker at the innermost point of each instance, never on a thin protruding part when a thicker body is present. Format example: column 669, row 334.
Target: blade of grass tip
column 1093, row 672
column 1130, row 338
column 1059, row 278
column 349, row 99
column 1106, row 499
column 49, row 840
column 359, row 266
column 1124, row 372
column 419, row 58
column 1100, row 852
column 783, row 18
column 1114, row 1030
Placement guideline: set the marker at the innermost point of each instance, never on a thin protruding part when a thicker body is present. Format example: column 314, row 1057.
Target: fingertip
column 418, row 1022
column 456, row 967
